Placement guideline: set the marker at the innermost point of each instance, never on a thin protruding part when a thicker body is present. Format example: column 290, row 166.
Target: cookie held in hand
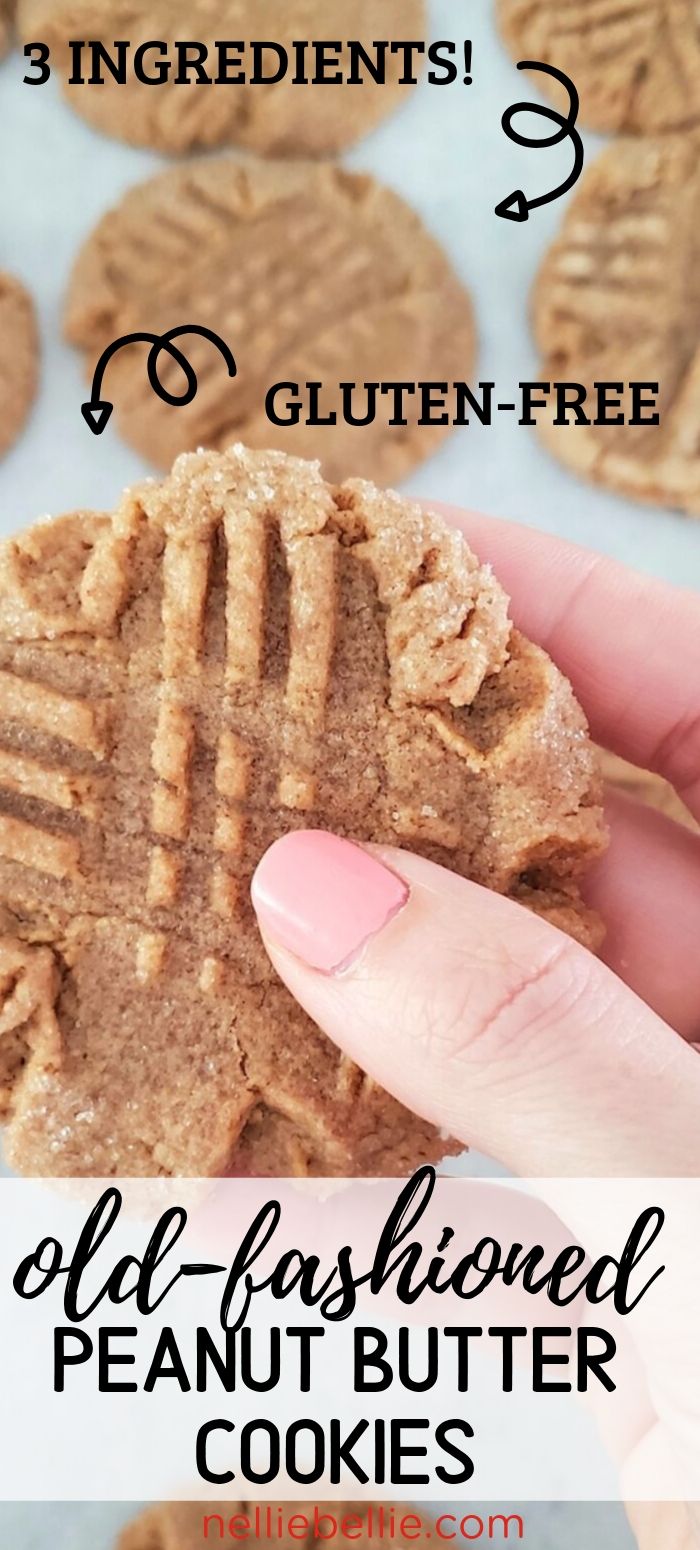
column 236, row 651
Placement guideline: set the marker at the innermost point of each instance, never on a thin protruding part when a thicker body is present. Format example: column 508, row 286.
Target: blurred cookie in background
column 238, row 651
column 19, row 358
column 310, row 274
column 178, row 1525
column 636, row 65
column 276, row 119
column 618, row 296
column 646, row 787
column 7, row 25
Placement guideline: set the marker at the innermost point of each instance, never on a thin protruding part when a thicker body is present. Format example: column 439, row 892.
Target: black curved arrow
column 96, row 412
column 516, row 207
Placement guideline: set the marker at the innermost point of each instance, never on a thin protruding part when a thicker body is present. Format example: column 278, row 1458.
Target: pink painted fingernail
column 322, row 898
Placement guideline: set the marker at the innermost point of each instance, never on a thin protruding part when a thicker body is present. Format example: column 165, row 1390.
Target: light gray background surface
column 445, row 151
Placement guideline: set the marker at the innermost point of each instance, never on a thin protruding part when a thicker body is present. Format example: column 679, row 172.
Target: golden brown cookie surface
column 239, row 650
column 636, row 66
column 308, row 273
column 617, row 300
column 277, row 119
column 19, row 358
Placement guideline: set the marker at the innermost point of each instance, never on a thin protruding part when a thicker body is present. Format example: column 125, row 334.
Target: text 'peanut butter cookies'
column 19, row 358
column 617, row 298
column 237, row 651
column 308, row 273
column 275, row 119
column 179, row 1525
column 636, row 66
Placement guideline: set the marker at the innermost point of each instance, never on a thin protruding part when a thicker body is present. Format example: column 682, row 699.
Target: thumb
column 475, row 1013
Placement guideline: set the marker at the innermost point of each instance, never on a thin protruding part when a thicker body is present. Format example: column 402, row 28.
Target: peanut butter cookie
column 276, row 118
column 309, row 274
column 241, row 649
column 636, row 66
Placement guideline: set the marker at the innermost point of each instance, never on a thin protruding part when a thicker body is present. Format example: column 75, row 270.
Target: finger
column 629, row 645
column 647, row 890
column 476, row 1014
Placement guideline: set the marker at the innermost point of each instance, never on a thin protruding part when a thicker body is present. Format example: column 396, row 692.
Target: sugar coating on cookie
column 236, row 651
column 616, row 297
column 636, row 66
column 19, row 358
column 308, row 273
column 275, row 119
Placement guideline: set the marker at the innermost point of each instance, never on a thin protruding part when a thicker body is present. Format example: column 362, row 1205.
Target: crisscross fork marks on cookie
column 636, row 63
column 62, row 788
column 247, row 543
column 187, row 568
column 36, row 708
column 232, row 779
column 7, row 18
column 19, row 337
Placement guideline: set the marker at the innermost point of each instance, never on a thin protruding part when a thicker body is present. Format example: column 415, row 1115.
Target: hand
column 477, row 1014
column 474, row 1012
